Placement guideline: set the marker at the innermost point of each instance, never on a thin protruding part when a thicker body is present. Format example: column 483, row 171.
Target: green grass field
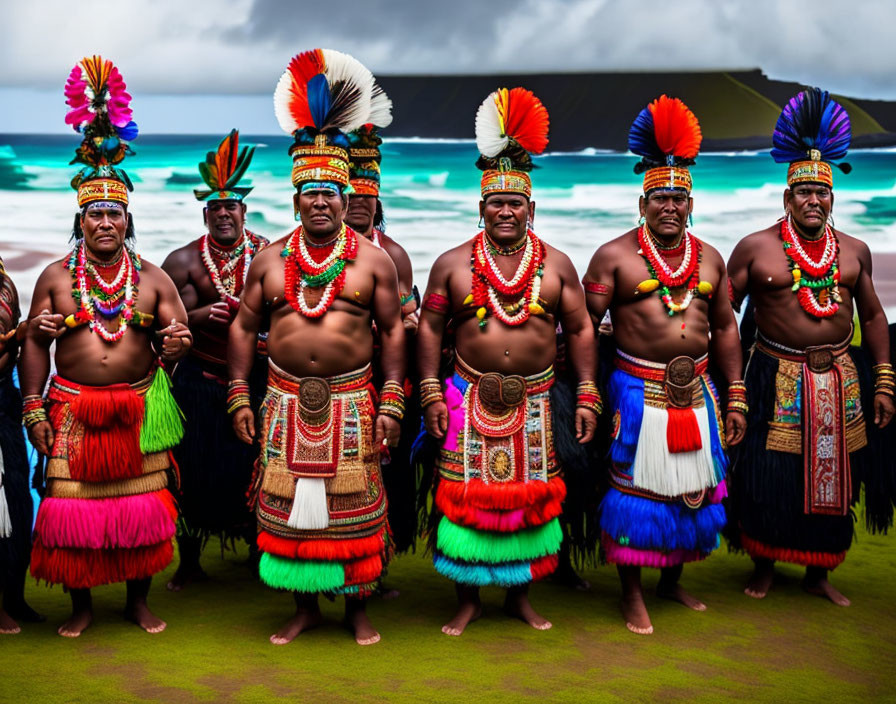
column 788, row 647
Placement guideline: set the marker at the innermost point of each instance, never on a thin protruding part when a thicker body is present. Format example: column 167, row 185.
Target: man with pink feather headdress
column 319, row 496
column 108, row 421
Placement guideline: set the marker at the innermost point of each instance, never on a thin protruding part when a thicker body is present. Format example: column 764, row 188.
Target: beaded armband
column 238, row 395
column 884, row 380
column 598, row 288
column 392, row 400
column 430, row 392
column 587, row 396
column 33, row 411
column 737, row 397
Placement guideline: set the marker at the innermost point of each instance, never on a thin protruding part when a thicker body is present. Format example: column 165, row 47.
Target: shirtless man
column 108, row 420
column 806, row 280
column 209, row 272
column 498, row 484
column 321, row 507
column 667, row 461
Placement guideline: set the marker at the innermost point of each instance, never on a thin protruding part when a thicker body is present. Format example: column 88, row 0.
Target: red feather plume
column 303, row 68
column 526, row 120
column 675, row 127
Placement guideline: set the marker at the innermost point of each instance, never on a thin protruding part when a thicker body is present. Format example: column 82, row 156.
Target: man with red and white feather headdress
column 667, row 456
column 501, row 294
column 320, row 503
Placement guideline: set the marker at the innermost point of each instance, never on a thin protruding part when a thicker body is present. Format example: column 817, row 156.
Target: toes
column 542, row 626
column 640, row 631
column 368, row 641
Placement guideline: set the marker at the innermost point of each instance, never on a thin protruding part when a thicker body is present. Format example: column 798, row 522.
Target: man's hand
column 883, row 410
column 244, row 425
column 586, row 423
column 386, row 428
column 41, row 436
column 176, row 341
column 435, row 419
column 222, row 313
column 735, row 427
column 47, row 325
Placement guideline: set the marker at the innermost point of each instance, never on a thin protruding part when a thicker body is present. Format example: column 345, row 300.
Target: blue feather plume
column 811, row 120
column 642, row 138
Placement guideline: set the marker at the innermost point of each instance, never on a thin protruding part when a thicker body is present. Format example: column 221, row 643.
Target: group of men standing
column 292, row 364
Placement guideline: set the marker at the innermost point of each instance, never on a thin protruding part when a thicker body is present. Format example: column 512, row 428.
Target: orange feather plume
column 303, row 68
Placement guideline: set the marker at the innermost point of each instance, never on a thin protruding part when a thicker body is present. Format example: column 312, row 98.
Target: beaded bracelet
column 238, row 395
column 392, row 400
column 737, row 397
column 33, row 411
column 430, row 392
column 587, row 396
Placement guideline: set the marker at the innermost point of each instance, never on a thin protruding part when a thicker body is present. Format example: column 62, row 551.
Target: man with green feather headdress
column 209, row 273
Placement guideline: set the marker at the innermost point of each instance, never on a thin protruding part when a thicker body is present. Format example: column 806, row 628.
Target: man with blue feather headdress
column 817, row 407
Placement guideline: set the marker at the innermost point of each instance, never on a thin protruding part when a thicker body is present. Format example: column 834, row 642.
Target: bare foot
column 140, row 614
column 77, row 624
column 677, row 593
column 304, row 620
column 467, row 612
column 824, row 588
column 634, row 611
column 358, row 622
column 517, row 604
column 760, row 581
column 185, row 576
column 8, row 626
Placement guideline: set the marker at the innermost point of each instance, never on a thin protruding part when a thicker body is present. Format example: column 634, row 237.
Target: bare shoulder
column 54, row 272
column 616, row 248
column 396, row 251
column 182, row 256
column 853, row 244
column 271, row 251
column 370, row 252
column 710, row 254
column 558, row 258
column 759, row 240
column 455, row 256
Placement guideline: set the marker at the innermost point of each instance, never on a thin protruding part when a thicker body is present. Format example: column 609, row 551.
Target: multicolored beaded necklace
column 509, row 300
column 228, row 268
column 98, row 299
column 664, row 278
column 815, row 281
column 302, row 271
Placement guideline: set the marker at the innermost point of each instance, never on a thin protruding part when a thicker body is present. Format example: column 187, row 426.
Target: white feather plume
column 490, row 139
column 282, row 96
column 344, row 68
column 380, row 108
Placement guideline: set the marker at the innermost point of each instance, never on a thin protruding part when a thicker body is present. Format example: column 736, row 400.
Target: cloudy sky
column 201, row 65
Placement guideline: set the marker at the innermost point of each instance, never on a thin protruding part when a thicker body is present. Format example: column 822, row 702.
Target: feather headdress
column 812, row 132
column 322, row 95
column 223, row 169
column 364, row 146
column 100, row 109
column 667, row 137
column 511, row 125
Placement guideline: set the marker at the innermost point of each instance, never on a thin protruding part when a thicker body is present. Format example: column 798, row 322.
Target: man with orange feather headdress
column 321, row 507
column 210, row 272
column 667, row 456
column 109, row 420
column 817, row 418
column 498, row 491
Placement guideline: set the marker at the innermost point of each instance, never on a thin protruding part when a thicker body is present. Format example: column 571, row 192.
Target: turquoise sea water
column 430, row 194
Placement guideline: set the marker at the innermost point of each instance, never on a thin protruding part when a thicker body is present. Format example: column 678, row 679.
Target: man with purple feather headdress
column 817, row 408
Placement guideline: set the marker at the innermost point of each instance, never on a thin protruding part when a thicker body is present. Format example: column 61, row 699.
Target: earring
column 481, row 222
column 831, row 221
column 642, row 220
column 529, row 227
column 690, row 219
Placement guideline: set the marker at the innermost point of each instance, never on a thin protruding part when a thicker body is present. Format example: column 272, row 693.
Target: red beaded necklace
column 302, row 270
column 509, row 300
column 814, row 266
